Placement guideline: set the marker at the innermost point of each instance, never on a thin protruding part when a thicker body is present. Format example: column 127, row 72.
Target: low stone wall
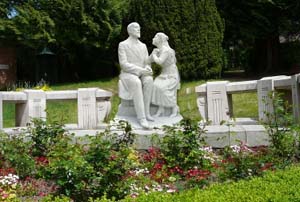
column 93, row 105
column 214, row 99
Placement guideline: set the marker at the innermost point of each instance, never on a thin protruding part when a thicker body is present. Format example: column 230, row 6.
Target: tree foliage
column 88, row 22
column 69, row 27
column 195, row 31
column 253, row 28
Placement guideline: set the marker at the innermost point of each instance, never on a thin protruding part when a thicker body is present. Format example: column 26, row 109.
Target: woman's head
column 160, row 39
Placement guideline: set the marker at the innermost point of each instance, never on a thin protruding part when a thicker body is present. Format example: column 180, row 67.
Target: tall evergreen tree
column 195, row 31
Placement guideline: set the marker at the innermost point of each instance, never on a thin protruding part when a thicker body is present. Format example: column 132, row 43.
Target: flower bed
column 48, row 163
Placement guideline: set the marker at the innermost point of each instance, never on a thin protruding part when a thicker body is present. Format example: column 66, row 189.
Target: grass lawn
column 245, row 105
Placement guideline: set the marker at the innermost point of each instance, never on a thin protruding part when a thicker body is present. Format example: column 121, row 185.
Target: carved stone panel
column 264, row 90
column 87, row 108
column 217, row 102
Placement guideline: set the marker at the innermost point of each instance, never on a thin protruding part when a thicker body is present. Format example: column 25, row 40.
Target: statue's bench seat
column 126, row 108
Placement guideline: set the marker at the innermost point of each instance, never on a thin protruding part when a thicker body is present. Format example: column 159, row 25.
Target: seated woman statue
column 165, row 86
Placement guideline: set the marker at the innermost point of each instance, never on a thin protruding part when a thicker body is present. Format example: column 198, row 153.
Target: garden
column 73, row 44
column 46, row 163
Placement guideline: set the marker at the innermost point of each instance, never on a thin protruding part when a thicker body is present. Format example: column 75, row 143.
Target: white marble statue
column 165, row 86
column 136, row 80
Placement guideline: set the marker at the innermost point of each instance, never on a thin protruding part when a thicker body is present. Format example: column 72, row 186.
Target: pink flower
column 134, row 195
column 113, row 157
column 42, row 194
column 5, row 195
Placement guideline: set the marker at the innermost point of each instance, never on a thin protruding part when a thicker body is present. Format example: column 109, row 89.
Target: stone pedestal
column 103, row 110
column 202, row 106
column 296, row 96
column 34, row 107
column 93, row 107
column 86, row 103
column 1, row 111
column 127, row 112
column 265, row 87
column 217, row 102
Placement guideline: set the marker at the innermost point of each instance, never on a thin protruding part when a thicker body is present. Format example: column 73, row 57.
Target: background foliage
column 84, row 35
column 253, row 30
column 195, row 31
column 79, row 33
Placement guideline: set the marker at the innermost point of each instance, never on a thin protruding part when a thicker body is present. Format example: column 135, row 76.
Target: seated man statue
column 136, row 74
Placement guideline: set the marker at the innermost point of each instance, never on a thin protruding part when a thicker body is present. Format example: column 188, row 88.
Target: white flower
column 206, row 149
column 235, row 148
column 9, row 179
column 171, row 190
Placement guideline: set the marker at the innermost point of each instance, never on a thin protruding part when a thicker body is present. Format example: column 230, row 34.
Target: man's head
column 134, row 29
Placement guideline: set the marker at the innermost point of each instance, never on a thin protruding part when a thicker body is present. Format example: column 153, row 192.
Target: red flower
column 42, row 194
column 215, row 165
column 197, row 174
column 176, row 169
column 41, row 160
column 153, row 153
column 6, row 171
column 267, row 166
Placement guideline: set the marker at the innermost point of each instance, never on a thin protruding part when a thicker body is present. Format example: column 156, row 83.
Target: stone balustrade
column 214, row 99
column 93, row 105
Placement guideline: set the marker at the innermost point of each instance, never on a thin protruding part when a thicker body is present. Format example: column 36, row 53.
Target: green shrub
column 15, row 153
column 109, row 153
column 43, row 135
column 55, row 199
column 181, row 144
column 282, row 128
column 68, row 168
column 240, row 162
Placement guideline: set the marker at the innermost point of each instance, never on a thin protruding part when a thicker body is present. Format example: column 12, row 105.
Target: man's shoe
column 144, row 123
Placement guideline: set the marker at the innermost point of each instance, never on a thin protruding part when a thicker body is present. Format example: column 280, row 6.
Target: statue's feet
column 159, row 112
column 175, row 111
column 144, row 123
column 149, row 117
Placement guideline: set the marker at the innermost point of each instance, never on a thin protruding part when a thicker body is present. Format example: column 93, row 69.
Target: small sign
column 4, row 66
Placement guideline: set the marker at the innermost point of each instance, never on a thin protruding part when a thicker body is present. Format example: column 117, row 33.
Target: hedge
column 281, row 186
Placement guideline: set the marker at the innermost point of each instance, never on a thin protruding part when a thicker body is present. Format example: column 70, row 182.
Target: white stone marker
column 264, row 87
column 202, row 107
column 34, row 107
column 217, row 102
column 296, row 96
column 103, row 110
column 1, row 111
column 86, row 104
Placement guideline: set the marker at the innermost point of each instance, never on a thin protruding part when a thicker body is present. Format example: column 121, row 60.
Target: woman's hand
column 155, row 51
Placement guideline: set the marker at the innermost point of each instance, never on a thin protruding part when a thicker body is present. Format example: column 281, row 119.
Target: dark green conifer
column 195, row 29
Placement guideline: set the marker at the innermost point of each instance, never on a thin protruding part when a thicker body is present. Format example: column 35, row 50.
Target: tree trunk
column 266, row 56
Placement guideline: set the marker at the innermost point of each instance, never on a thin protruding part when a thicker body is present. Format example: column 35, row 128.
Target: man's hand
column 147, row 71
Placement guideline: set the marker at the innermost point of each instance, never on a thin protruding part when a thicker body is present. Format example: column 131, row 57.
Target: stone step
column 216, row 136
